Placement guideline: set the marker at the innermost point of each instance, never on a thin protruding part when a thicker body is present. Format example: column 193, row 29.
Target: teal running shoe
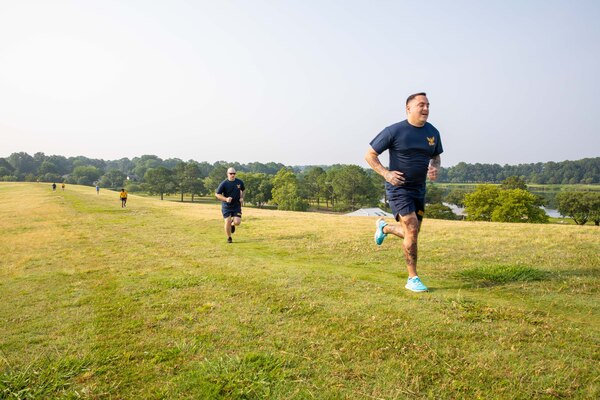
column 414, row 284
column 379, row 235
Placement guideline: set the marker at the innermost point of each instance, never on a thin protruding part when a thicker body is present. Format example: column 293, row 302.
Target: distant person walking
column 231, row 194
column 97, row 189
column 63, row 186
column 414, row 147
column 123, row 197
column 54, row 187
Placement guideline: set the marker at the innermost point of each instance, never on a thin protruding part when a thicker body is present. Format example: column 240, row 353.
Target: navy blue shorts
column 232, row 212
column 405, row 201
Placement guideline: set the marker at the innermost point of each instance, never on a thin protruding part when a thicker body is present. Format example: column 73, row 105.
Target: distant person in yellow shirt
column 123, row 197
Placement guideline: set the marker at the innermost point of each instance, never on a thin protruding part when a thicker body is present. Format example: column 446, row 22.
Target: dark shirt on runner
column 231, row 189
column 411, row 148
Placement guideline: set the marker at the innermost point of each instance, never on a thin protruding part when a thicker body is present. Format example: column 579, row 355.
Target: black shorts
column 232, row 212
column 406, row 201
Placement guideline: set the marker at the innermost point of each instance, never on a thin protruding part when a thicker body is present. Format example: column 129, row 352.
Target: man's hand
column 395, row 178
column 432, row 173
column 434, row 165
column 229, row 199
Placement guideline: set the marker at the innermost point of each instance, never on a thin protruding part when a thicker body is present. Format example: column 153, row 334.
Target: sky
column 308, row 82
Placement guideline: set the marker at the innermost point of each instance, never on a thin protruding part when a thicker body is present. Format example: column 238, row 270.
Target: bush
column 490, row 203
column 518, row 205
column 439, row 211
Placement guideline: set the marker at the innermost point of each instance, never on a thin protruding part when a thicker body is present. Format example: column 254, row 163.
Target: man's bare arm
column 222, row 198
column 396, row 178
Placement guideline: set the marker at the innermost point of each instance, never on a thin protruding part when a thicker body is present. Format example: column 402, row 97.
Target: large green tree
column 113, row 179
column 480, row 204
column 326, row 189
column 312, row 187
column 352, row 186
column 6, row 171
column 22, row 164
column 491, row 203
column 194, row 180
column 85, row 175
column 160, row 181
column 180, row 178
column 518, row 205
column 286, row 193
column 144, row 163
column 580, row 206
column 188, row 179
column 593, row 199
column 258, row 188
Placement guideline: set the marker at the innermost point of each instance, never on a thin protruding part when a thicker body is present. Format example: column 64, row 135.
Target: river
column 461, row 211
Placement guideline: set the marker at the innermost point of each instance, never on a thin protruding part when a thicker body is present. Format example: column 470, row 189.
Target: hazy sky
column 298, row 82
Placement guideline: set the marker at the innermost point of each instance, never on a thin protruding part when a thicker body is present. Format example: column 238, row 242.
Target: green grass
column 502, row 274
column 100, row 302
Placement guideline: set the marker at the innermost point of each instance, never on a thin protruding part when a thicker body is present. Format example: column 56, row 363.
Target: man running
column 123, row 197
column 231, row 194
column 414, row 147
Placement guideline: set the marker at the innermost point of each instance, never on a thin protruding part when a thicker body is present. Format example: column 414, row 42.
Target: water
column 461, row 211
column 552, row 213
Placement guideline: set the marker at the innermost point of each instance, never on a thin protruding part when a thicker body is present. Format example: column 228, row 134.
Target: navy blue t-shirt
column 231, row 189
column 411, row 148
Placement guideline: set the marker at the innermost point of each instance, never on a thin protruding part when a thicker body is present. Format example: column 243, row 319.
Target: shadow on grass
column 494, row 275
column 576, row 273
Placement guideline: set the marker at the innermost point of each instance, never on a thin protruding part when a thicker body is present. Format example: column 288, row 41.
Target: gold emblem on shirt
column 431, row 140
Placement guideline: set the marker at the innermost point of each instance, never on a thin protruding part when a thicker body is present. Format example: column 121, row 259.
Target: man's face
column 231, row 174
column 417, row 110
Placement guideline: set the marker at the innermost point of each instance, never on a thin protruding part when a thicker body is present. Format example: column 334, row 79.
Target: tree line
column 584, row 171
column 337, row 187
column 24, row 167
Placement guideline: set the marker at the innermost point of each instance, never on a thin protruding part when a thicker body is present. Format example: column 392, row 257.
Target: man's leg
column 228, row 226
column 395, row 229
column 410, row 226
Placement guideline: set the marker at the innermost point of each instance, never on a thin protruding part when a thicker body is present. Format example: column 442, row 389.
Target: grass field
column 150, row 302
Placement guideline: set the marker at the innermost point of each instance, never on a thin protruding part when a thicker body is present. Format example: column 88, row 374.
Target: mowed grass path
column 150, row 302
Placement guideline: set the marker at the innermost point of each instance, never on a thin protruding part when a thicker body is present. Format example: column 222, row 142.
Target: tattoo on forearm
column 436, row 162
